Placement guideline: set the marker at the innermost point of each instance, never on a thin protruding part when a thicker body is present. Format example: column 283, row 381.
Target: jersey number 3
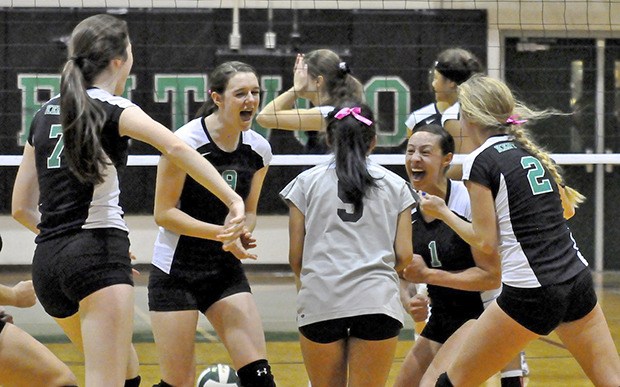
column 535, row 174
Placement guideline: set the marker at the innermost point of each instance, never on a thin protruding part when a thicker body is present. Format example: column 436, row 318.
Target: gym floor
column 274, row 289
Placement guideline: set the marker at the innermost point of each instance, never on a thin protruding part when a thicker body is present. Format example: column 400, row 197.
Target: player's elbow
column 488, row 247
column 265, row 119
column 20, row 213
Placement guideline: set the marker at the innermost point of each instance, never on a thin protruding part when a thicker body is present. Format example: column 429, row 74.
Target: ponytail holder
column 78, row 60
column 514, row 120
column 356, row 112
column 210, row 92
column 344, row 68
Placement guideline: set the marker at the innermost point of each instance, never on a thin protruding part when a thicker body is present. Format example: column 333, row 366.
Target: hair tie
column 78, row 60
column 344, row 68
column 210, row 92
column 514, row 120
column 356, row 112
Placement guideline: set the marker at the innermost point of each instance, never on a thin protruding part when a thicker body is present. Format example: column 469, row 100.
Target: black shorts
column 542, row 309
column 443, row 323
column 70, row 267
column 366, row 327
column 2, row 324
column 196, row 289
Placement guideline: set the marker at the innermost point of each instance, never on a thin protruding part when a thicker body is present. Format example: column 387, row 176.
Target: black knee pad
column 135, row 382
column 256, row 374
column 512, row 381
column 444, row 381
column 162, row 384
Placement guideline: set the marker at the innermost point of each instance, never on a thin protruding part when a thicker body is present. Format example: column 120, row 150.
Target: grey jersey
column 348, row 256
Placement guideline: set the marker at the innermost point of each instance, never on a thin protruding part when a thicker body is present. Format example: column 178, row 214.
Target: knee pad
column 444, row 381
column 135, row 382
column 256, row 374
column 162, row 384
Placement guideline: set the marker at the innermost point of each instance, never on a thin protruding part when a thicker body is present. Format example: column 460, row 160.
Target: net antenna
column 234, row 39
column 270, row 36
column 295, row 36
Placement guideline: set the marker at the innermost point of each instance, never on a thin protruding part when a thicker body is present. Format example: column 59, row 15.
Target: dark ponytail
column 351, row 140
column 94, row 43
column 458, row 64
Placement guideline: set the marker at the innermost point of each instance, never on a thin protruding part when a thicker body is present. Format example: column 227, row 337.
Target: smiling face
column 239, row 102
column 424, row 160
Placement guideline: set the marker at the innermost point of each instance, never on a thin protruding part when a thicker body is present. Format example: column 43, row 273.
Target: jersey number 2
column 54, row 160
column 535, row 174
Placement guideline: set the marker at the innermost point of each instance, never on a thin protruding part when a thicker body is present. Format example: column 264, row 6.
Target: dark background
column 375, row 43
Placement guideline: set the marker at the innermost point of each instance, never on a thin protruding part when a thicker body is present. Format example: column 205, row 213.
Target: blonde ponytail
column 489, row 103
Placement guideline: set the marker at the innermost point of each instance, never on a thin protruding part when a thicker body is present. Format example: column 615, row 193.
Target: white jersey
column 451, row 113
column 426, row 115
column 348, row 256
column 172, row 252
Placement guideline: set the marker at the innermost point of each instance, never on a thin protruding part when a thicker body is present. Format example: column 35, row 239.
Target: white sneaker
column 524, row 367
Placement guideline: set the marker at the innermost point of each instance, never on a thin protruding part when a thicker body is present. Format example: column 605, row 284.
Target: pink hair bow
column 514, row 120
column 355, row 112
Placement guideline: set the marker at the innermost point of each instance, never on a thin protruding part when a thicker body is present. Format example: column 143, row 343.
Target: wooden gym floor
column 551, row 365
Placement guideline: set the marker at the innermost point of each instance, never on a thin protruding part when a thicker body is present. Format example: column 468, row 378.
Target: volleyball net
column 554, row 54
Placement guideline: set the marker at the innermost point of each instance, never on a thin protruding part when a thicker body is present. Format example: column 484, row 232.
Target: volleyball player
column 517, row 196
column 350, row 233
column 452, row 67
column 322, row 78
column 67, row 192
column 23, row 360
column 191, row 273
column 461, row 280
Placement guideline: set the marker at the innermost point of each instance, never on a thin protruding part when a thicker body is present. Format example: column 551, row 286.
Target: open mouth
column 246, row 115
column 418, row 174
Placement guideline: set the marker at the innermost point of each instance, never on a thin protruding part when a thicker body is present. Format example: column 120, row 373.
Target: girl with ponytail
column 350, row 236
column 519, row 204
column 67, row 192
column 322, row 78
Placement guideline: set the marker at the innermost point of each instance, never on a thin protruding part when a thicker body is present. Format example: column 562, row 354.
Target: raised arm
column 137, row 124
column 281, row 113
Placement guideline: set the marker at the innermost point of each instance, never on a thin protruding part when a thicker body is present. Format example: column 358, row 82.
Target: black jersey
column 65, row 203
column 443, row 249
column 237, row 168
column 536, row 245
column 426, row 115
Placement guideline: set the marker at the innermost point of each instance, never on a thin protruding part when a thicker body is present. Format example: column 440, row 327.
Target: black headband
column 458, row 75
